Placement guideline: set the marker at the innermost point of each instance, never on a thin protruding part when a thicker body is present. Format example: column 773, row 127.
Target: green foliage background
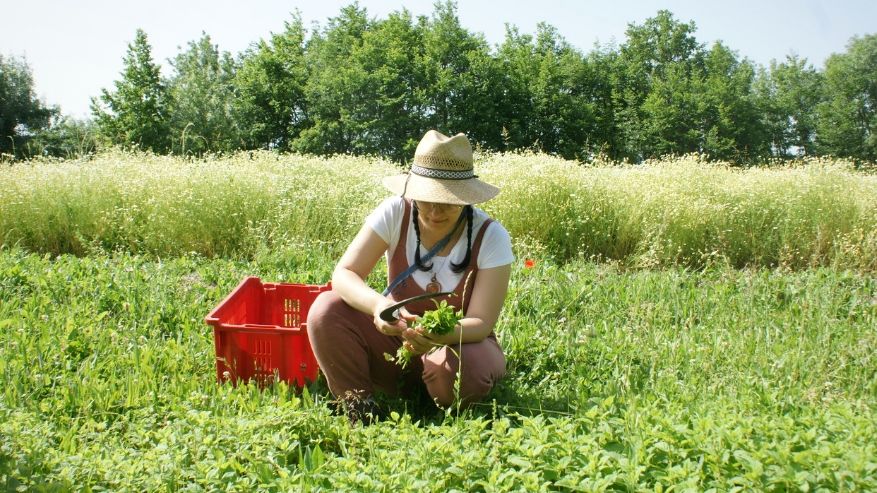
column 373, row 86
column 21, row 112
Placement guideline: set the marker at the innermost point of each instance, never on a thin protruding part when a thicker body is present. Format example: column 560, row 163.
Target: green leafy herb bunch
column 440, row 321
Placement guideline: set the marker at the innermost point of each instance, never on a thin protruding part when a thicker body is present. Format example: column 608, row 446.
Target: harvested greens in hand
column 440, row 321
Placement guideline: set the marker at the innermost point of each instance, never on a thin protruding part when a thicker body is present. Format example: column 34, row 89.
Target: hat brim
column 458, row 192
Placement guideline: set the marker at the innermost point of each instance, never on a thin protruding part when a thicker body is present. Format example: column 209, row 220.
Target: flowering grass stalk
column 676, row 212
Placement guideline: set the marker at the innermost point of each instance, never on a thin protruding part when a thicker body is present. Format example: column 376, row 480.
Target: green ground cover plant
column 672, row 326
column 619, row 380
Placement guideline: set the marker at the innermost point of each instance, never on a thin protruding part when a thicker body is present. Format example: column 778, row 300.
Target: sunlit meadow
column 676, row 212
column 677, row 326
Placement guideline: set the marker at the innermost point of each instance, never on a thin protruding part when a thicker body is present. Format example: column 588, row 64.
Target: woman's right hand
column 392, row 328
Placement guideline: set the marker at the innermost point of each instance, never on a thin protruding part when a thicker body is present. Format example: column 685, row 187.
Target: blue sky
column 75, row 48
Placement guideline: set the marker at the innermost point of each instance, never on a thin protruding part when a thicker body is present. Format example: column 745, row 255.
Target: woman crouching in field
column 433, row 206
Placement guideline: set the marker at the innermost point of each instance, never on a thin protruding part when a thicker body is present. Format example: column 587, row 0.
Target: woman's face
column 436, row 217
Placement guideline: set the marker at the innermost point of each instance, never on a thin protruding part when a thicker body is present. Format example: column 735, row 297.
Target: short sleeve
column 386, row 219
column 496, row 247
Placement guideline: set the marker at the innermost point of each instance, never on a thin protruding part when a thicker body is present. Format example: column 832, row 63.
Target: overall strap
column 435, row 249
column 456, row 300
column 472, row 271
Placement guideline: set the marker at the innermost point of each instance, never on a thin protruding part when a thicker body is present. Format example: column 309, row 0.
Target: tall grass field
column 681, row 212
column 678, row 326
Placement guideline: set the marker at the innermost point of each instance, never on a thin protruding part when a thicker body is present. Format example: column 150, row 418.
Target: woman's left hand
column 416, row 341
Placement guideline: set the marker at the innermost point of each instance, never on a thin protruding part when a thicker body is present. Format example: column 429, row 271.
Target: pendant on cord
column 433, row 286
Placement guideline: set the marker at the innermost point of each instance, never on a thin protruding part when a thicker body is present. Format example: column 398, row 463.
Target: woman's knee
column 440, row 380
column 445, row 390
column 476, row 379
column 325, row 313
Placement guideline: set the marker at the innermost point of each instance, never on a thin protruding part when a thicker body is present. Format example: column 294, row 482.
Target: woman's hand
column 416, row 340
column 392, row 328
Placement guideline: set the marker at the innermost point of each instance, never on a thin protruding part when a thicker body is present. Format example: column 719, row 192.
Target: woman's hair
column 456, row 268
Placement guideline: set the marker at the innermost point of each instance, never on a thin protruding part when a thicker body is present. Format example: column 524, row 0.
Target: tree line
column 372, row 86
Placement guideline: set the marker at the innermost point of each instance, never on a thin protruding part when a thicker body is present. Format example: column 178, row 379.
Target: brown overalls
column 350, row 350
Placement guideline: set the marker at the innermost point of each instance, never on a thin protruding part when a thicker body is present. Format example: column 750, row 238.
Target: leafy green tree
column 788, row 95
column 65, row 137
column 564, row 112
column 604, row 138
column 847, row 119
column 271, row 107
column 201, row 95
column 518, row 66
column 462, row 80
column 332, row 89
column 657, row 73
column 479, row 93
column 22, row 114
column 365, row 92
column 388, row 107
column 376, row 86
column 731, row 128
column 548, row 94
column 669, row 115
column 135, row 114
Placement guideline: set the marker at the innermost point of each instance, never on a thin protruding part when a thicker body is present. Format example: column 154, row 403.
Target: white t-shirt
column 496, row 246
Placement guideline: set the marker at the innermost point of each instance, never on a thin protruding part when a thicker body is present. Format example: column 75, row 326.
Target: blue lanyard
column 435, row 249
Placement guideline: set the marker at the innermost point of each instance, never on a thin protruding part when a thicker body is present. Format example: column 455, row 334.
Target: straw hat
column 442, row 172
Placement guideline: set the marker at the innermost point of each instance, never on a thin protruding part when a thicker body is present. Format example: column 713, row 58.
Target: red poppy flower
column 529, row 263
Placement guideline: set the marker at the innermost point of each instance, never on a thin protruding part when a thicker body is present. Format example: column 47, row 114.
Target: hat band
column 443, row 174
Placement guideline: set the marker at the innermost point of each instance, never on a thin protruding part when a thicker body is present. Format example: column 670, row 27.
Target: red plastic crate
column 260, row 331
